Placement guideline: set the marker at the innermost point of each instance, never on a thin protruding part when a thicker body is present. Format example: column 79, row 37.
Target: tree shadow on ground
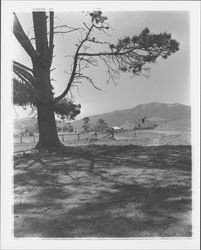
column 104, row 191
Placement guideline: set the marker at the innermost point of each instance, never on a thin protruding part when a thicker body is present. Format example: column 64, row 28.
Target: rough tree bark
column 48, row 136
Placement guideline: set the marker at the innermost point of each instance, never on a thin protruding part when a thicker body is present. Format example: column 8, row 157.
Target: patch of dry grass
column 143, row 138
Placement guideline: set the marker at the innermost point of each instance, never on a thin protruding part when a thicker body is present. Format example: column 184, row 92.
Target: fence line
column 34, row 138
column 70, row 137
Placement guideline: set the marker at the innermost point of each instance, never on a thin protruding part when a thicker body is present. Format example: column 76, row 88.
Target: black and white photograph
column 100, row 125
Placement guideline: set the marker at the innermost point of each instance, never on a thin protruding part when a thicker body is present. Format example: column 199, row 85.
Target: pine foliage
column 66, row 109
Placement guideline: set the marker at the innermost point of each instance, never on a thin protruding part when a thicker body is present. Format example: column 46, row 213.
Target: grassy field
column 104, row 191
column 142, row 138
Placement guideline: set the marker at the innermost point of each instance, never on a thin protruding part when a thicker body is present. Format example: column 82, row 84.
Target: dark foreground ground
column 104, row 191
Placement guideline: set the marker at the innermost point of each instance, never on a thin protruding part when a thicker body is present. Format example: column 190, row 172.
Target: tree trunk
column 48, row 137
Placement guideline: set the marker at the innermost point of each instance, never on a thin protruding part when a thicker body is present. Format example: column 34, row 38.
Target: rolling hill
column 155, row 112
column 25, row 123
column 165, row 115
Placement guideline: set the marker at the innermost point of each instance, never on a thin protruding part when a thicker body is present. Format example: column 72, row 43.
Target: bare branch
column 66, row 32
column 74, row 68
column 94, row 62
column 96, row 41
column 89, row 80
column 86, row 26
column 101, row 27
column 23, row 38
column 113, row 73
column 107, row 53
column 69, row 83
column 66, row 26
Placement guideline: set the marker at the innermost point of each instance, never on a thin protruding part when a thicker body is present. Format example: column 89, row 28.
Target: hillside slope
column 165, row 115
column 154, row 111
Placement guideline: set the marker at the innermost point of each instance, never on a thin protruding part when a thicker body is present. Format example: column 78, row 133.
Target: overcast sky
column 169, row 80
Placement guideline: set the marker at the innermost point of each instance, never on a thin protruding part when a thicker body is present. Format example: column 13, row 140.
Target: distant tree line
column 67, row 127
column 101, row 126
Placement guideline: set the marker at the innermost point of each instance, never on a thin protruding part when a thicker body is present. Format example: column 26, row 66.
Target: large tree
column 32, row 86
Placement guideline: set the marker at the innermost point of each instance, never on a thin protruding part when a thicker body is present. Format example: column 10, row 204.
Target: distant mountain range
column 155, row 112
column 173, row 115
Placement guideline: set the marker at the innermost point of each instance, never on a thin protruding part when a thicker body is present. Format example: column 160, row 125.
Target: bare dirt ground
column 113, row 190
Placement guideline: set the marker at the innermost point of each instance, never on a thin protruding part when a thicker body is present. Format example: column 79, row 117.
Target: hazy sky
column 169, row 79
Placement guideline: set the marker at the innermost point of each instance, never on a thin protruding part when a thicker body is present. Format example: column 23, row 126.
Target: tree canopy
column 129, row 54
column 86, row 125
column 100, row 126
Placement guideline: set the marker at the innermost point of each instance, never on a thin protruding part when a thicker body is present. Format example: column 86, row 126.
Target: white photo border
column 7, row 239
